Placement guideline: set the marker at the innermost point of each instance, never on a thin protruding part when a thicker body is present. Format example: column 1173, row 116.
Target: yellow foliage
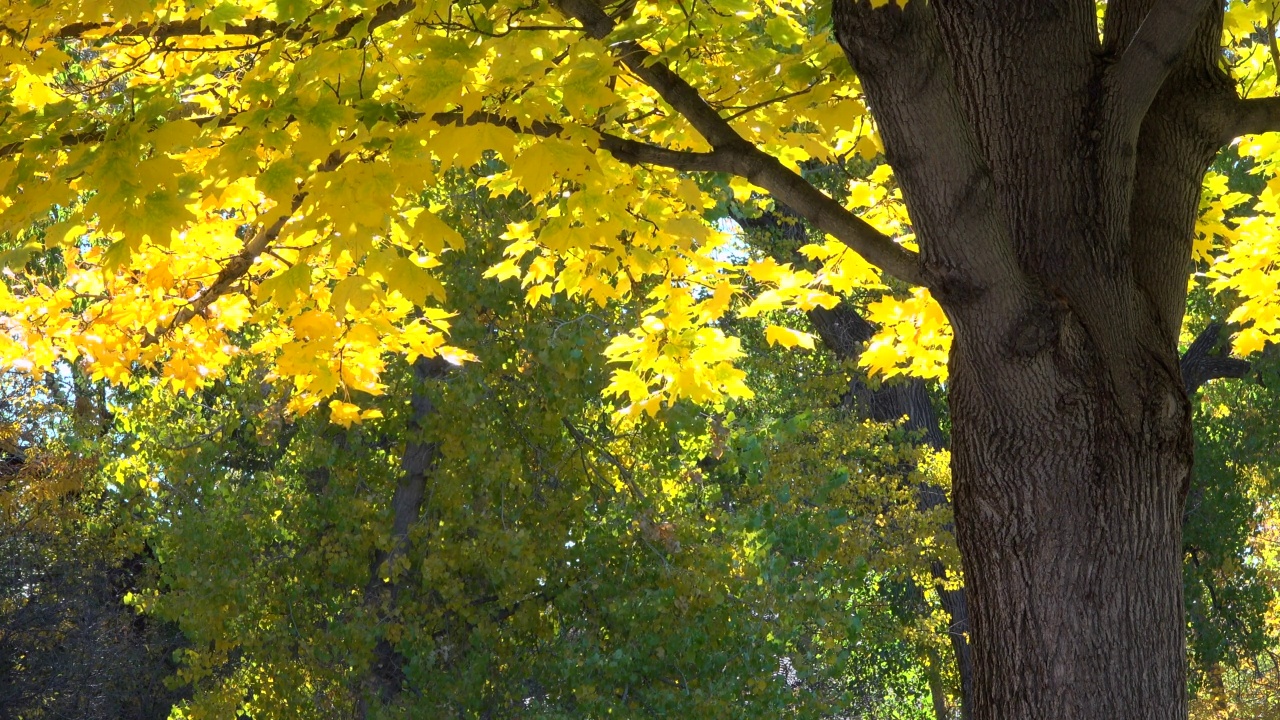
column 276, row 184
column 274, row 156
column 788, row 338
column 913, row 338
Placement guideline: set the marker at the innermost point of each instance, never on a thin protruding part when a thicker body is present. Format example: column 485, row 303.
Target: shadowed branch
column 1203, row 361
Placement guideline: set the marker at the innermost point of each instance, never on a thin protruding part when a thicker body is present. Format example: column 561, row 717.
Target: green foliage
column 68, row 645
column 1227, row 594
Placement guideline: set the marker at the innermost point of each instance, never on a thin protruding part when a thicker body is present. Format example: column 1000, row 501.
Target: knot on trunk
column 952, row 287
column 1035, row 331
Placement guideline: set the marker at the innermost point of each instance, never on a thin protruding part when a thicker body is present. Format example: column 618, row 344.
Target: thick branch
column 1182, row 131
column 1252, row 116
column 906, row 75
column 632, row 152
column 1156, row 47
column 638, row 153
column 680, row 95
column 1203, row 361
column 193, row 27
column 88, row 137
column 66, row 140
column 746, row 159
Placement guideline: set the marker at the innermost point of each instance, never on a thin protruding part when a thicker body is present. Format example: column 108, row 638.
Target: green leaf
column 20, row 256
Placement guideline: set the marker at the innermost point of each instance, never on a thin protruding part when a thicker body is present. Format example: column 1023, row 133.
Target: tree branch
column 193, row 27
column 1156, row 47
column 632, row 152
column 1184, row 128
column 745, row 159
column 638, row 153
column 95, row 136
column 680, row 95
column 1251, row 116
column 240, row 263
column 732, row 153
column 906, row 75
column 66, row 140
column 1203, row 361
column 624, row 472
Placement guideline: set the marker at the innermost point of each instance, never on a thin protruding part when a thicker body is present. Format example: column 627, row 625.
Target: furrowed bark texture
column 1053, row 181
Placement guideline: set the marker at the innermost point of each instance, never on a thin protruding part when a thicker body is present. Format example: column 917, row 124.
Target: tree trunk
column 939, row 696
column 384, row 677
column 1053, row 180
column 1070, row 527
column 845, row 332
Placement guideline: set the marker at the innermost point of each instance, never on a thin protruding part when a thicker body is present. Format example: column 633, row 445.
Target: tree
column 223, row 166
column 68, row 646
column 1054, row 181
column 846, row 334
column 558, row 566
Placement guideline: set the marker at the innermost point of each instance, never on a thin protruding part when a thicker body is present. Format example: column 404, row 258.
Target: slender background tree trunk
column 845, row 333
column 383, row 680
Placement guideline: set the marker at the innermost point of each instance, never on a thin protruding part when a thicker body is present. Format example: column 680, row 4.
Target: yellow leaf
column 628, row 384
column 435, row 234
column 347, row 414
column 788, row 338
column 315, row 325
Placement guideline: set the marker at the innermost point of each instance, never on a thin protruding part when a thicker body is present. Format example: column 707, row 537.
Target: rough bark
column 386, row 673
column 1053, row 180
